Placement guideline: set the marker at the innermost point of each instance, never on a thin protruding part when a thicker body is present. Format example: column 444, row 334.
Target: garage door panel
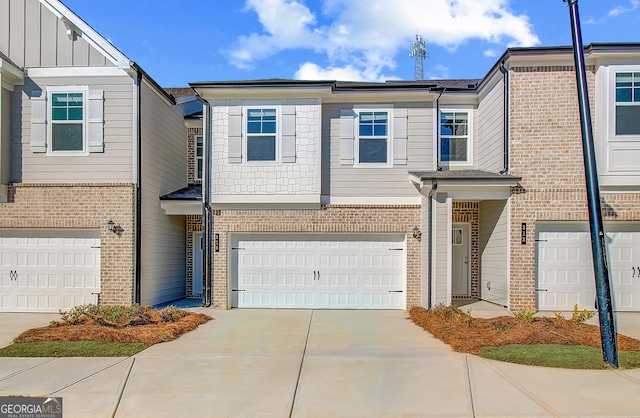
column 52, row 269
column 321, row 271
column 570, row 280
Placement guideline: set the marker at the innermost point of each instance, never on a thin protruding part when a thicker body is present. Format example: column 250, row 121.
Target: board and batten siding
column 494, row 251
column 164, row 169
column 32, row 36
column 114, row 165
column 442, row 206
column 489, row 141
column 349, row 181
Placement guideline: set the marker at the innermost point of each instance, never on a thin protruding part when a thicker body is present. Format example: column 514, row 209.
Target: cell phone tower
column 419, row 51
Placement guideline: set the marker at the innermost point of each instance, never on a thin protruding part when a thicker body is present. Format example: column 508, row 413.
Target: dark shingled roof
column 463, row 175
column 180, row 91
column 191, row 192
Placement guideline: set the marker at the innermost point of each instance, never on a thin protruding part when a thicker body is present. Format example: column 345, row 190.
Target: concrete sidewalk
column 280, row 363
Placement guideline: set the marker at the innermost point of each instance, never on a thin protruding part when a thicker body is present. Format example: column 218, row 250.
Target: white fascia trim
column 265, row 206
column 88, row 33
column 371, row 200
column 75, row 72
column 10, row 74
column 279, row 199
column 181, row 207
column 476, row 193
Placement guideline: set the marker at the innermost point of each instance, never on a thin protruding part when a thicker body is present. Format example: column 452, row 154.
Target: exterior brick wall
column 329, row 219
column 86, row 206
column 194, row 224
column 546, row 150
column 468, row 212
column 192, row 133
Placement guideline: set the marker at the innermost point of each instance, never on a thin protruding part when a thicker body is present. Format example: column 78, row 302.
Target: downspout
column 437, row 156
column 207, row 218
column 505, row 72
column 138, row 232
column 432, row 192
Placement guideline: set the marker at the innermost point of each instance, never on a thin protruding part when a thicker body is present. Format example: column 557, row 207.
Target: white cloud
column 439, row 72
column 621, row 10
column 361, row 42
column 491, row 53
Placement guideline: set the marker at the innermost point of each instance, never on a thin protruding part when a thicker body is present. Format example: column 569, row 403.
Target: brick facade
column 194, row 224
column 467, row 212
column 329, row 219
column 546, row 150
column 85, row 206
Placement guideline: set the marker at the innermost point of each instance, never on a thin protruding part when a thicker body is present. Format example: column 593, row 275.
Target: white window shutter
column 95, row 120
column 235, row 134
column 288, row 134
column 346, row 136
column 39, row 123
column 400, row 119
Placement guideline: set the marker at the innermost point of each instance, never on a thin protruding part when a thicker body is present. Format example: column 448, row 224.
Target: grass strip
column 557, row 355
column 72, row 349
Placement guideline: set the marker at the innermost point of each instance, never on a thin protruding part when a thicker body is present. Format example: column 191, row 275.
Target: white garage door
column 565, row 267
column 48, row 270
column 318, row 271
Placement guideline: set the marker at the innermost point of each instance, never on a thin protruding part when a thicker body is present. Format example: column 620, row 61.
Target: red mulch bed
column 468, row 335
column 87, row 329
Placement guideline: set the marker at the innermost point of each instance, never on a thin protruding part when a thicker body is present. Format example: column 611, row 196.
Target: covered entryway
column 564, row 263
column 48, row 270
column 331, row 271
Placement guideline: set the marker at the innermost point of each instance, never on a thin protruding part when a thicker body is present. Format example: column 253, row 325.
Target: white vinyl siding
column 32, row 36
column 164, row 169
column 113, row 165
column 343, row 180
column 494, row 251
column 490, row 129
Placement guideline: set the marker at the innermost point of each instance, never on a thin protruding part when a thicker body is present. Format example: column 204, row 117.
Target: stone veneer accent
column 194, row 224
column 468, row 212
column 86, row 206
column 546, row 150
column 329, row 219
column 299, row 178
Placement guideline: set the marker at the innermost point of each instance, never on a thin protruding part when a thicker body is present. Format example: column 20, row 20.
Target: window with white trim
column 262, row 134
column 627, row 103
column 373, row 137
column 199, row 157
column 455, row 136
column 67, row 120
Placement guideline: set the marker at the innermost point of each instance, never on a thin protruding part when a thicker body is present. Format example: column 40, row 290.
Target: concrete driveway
column 280, row 363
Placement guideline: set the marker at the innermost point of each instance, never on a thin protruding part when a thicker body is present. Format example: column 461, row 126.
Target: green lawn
column 554, row 355
column 72, row 349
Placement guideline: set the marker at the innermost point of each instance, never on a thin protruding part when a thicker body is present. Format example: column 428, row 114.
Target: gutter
column 437, row 156
column 138, row 211
column 432, row 192
column 505, row 72
column 207, row 218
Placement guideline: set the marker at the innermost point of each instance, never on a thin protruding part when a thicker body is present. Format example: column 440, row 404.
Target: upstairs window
column 199, row 158
column 455, row 136
column 67, row 120
column 373, row 137
column 627, row 103
column 261, row 134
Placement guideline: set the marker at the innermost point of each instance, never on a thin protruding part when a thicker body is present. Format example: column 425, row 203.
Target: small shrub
column 558, row 316
column 578, row 317
column 525, row 314
column 75, row 314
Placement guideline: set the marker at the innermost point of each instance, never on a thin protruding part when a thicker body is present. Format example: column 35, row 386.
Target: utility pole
column 598, row 249
column 419, row 51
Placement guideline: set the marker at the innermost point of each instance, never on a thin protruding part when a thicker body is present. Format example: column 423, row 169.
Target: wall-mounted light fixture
column 116, row 229
column 416, row 233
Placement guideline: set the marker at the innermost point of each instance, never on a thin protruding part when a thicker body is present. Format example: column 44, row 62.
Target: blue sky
column 180, row 41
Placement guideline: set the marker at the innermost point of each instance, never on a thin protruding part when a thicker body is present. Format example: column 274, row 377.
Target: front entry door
column 460, row 257
column 197, row 264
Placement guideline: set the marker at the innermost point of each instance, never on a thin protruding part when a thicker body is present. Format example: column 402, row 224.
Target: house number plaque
column 523, row 234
